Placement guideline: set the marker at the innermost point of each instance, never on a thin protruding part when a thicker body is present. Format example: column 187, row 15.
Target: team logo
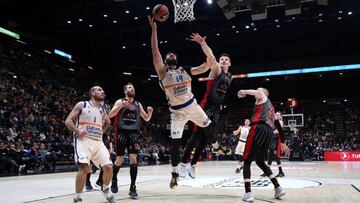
column 344, row 156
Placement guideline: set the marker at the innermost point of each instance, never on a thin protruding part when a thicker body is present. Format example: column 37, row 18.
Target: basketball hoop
column 184, row 10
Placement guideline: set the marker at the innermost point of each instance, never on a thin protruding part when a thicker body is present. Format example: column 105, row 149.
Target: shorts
column 240, row 147
column 258, row 141
column 180, row 117
column 86, row 150
column 127, row 139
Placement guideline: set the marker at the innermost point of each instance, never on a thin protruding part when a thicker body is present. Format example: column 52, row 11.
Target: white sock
column 175, row 169
column 241, row 164
column 77, row 195
column 215, row 145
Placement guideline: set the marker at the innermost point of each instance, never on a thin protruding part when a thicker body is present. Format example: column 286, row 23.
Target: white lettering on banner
column 356, row 156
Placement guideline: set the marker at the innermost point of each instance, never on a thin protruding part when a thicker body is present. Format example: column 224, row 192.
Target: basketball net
column 184, row 10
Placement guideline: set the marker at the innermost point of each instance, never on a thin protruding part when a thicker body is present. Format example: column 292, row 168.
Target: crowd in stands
column 37, row 93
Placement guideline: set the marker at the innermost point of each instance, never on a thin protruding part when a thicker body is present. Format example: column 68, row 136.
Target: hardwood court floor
column 215, row 182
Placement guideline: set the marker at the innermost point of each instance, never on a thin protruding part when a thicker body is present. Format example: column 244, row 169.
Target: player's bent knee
column 84, row 168
column 118, row 160
column 107, row 168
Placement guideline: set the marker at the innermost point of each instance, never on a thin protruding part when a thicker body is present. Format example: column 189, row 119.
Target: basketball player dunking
column 219, row 81
column 88, row 121
column 242, row 132
column 259, row 138
column 127, row 113
column 176, row 83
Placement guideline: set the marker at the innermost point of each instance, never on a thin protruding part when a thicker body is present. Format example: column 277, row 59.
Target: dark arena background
column 305, row 52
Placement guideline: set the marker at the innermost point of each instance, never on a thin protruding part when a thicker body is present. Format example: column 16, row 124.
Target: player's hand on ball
column 149, row 109
column 152, row 22
column 241, row 94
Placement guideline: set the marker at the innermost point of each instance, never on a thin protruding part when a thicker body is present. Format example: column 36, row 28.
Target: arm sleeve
column 280, row 129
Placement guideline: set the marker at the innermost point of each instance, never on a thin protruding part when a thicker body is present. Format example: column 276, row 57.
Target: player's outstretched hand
column 196, row 37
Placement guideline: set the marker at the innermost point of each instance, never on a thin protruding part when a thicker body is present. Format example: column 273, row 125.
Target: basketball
column 160, row 12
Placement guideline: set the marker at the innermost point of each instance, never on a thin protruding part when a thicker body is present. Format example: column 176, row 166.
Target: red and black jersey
column 216, row 90
column 264, row 113
column 128, row 117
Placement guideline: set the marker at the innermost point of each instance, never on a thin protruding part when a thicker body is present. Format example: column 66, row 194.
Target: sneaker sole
column 248, row 200
column 280, row 195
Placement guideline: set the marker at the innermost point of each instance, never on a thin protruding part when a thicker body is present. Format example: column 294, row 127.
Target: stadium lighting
column 9, row 33
column 209, row 1
column 305, row 70
column 127, row 73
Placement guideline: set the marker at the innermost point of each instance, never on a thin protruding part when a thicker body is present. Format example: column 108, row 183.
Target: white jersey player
column 88, row 121
column 242, row 132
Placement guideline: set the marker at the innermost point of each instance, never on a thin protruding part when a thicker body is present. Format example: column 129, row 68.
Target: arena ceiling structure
column 113, row 36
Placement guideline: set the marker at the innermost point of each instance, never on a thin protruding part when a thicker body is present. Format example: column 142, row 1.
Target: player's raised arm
column 210, row 63
column 157, row 58
column 196, row 37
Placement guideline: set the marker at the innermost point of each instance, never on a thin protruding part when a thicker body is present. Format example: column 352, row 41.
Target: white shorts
column 240, row 148
column 180, row 117
column 87, row 149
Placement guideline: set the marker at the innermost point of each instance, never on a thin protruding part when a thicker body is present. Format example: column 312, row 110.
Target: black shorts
column 274, row 142
column 127, row 139
column 213, row 112
column 258, row 141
